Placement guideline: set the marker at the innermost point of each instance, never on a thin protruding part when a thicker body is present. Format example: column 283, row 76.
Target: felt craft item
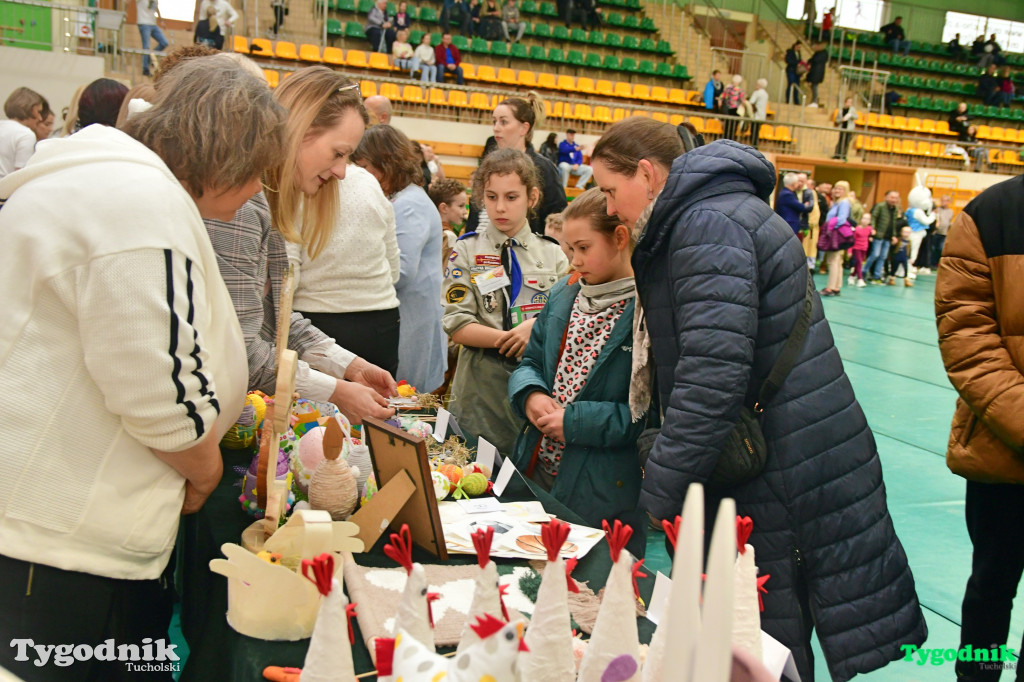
column 550, row 637
column 746, row 624
column 474, row 468
column 305, row 416
column 359, row 459
column 329, row 657
column 405, row 389
column 333, row 485
column 613, row 654
column 414, row 609
column 486, row 594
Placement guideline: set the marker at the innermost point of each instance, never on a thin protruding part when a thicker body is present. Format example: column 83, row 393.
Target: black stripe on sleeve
column 197, row 372
column 190, row 408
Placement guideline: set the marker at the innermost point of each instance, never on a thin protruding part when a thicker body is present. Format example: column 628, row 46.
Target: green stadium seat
column 354, row 29
column 560, row 33
column 596, row 38
column 592, row 60
column 428, row 15
column 648, row 45
column 365, row 6
column 478, row 45
column 557, row 55
column 913, row 101
column 345, row 5
column 628, row 64
column 679, row 71
column 931, row 84
column 633, row 4
column 969, row 89
column 647, row 24
column 663, row 69
column 578, row 35
column 630, row 21
column 1017, row 114
column 530, row 7
column 548, row 9
column 630, row 43
column 412, row 12
column 943, row 86
column 614, row 19
column 435, row 39
column 665, row 47
column 992, row 111
column 646, row 67
column 334, row 27
column 613, row 40
column 948, row 67
column 519, row 51
column 926, row 103
column 611, row 62
column 537, row 53
column 574, row 58
column 461, row 42
column 499, row 49
column 392, row 10
column 542, row 30
column 884, row 58
column 916, row 82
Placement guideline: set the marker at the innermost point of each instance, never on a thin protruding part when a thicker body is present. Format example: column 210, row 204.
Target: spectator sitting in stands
column 549, row 148
column 570, row 161
column 402, row 51
column 993, row 53
column 379, row 108
column 424, row 60
column 713, row 91
column 471, row 25
column 585, row 12
column 490, row 20
column 955, row 49
column 510, row 21
column 379, row 28
column 448, row 60
column 402, row 20
column 988, row 86
column 454, row 12
column 978, row 48
column 895, row 37
column 1006, row 87
column 959, row 120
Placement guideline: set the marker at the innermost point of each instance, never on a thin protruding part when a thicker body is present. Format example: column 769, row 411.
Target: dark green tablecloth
column 218, row 653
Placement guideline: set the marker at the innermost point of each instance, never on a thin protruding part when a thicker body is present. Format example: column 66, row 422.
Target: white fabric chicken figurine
column 486, row 593
column 494, row 658
column 746, row 624
column 549, row 635
column 414, row 609
column 613, row 654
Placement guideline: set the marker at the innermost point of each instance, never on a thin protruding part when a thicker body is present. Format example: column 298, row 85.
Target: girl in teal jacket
column 573, row 385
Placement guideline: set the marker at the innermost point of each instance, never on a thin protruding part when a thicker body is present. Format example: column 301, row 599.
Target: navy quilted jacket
column 722, row 280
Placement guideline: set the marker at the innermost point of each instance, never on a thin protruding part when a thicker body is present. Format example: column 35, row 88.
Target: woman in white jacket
column 121, row 349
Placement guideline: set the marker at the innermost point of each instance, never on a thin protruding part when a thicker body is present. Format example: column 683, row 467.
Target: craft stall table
column 217, row 652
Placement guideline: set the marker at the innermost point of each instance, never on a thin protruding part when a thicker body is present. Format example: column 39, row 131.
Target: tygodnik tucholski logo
column 149, row 656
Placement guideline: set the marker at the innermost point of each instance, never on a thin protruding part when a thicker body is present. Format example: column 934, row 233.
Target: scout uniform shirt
column 536, row 262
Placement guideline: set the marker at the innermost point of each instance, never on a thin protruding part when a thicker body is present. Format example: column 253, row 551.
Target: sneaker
column 851, row 280
column 891, row 282
column 908, row 282
column 861, row 284
column 924, row 271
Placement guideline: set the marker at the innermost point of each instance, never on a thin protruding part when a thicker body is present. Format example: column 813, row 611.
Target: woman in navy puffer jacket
column 722, row 282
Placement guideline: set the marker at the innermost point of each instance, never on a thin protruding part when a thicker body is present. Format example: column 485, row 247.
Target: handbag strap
column 790, row 352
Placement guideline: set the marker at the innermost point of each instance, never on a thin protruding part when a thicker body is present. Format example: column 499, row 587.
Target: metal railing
column 65, row 28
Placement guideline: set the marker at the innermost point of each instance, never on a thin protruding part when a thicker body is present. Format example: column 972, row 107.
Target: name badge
column 492, row 280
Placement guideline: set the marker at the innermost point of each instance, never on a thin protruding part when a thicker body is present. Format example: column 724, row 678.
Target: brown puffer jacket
column 979, row 306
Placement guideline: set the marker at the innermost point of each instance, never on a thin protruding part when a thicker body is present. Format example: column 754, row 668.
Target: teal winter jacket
column 599, row 476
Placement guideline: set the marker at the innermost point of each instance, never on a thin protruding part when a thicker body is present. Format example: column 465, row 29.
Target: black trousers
column 55, row 607
column 278, row 18
column 993, row 514
column 843, row 145
column 372, row 335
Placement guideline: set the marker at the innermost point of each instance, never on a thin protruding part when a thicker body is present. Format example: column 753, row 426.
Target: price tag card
column 660, row 597
column 480, row 505
column 441, row 424
column 485, row 454
column 504, row 476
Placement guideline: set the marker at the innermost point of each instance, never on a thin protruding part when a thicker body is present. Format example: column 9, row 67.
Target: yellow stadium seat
column 556, row 110
column 582, row 112
column 602, row 114
column 698, row 123
column 380, row 62
column 677, row 96
column 468, row 71
column 1012, row 135
column 413, row 94
column 861, row 118
column 640, row 112
column 1011, row 157
column 923, row 149
column 928, row 126
column 906, row 147
column 873, row 120
column 618, row 114
column 998, row 133
column 309, row 53
column 285, row 50
column 914, row 124
column 548, row 81
column 885, row 121
column 437, row 97
column 676, row 119
column 507, row 76
column 938, row 149
column 603, row 88
column 458, row 98
column 942, row 128
column 478, row 100
column 782, row 134
column 334, row 55
column 585, row 86
column 240, row 44
column 641, row 91
column 659, row 94
column 994, row 155
column 261, row 47
column 356, row 59
column 659, row 116
column 527, row 79
column 767, row 132
column 272, row 77
column 622, row 89
column 696, row 99
column 367, row 88
column 858, row 142
column 486, row 73
column 713, row 126
column 391, row 91
column 566, row 83
column 899, row 122
column 984, row 133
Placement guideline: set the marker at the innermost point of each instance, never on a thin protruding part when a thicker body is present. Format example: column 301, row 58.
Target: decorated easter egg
column 369, row 489
column 474, row 468
column 475, row 484
column 258, row 401
column 306, row 457
column 452, row 472
column 442, row 486
column 304, row 416
column 420, row 428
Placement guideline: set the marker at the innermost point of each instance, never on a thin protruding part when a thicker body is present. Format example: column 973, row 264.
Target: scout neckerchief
column 510, row 263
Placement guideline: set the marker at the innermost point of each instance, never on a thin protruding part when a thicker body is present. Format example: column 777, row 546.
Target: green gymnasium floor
column 888, row 342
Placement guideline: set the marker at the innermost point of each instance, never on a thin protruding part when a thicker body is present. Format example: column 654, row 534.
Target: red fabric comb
column 502, row 589
column 384, row 647
column 554, row 534
column 618, row 536
column 350, row 613
column 431, row 598
column 638, row 572
column 482, row 543
column 570, row 566
column 671, row 529
column 486, row 625
column 399, row 549
column 322, row 568
column 761, row 589
column 744, row 527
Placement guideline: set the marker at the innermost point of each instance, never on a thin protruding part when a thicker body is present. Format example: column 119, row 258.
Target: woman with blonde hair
column 515, row 119
column 830, row 239
column 300, row 204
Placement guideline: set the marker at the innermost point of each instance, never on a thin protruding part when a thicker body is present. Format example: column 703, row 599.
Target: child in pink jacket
column 861, row 240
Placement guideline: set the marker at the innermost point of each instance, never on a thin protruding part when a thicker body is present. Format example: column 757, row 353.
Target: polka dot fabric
column 587, row 336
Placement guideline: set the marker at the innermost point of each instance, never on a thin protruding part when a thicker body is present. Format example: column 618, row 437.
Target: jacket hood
column 722, row 167
column 95, row 143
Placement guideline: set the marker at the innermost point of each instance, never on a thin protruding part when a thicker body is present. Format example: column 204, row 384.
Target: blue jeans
column 938, row 242
column 147, row 30
column 896, row 46
column 876, row 258
column 443, row 69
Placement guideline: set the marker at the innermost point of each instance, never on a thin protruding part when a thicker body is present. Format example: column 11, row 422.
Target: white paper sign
column 441, row 424
column 660, row 597
column 504, row 476
column 492, row 280
column 480, row 505
column 485, row 454
column 777, row 658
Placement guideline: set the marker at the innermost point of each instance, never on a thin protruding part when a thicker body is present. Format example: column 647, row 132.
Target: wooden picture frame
column 393, row 451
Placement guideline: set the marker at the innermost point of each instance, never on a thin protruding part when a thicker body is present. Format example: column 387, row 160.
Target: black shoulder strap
column 790, row 352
